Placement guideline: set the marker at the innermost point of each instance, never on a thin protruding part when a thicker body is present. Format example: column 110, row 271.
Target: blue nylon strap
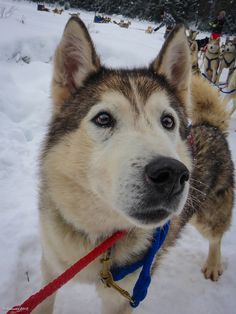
column 142, row 284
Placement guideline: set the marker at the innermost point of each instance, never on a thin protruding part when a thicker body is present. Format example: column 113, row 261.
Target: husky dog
column 123, row 24
column 149, row 30
column 194, row 57
column 196, row 45
column 228, row 58
column 117, row 157
column 201, row 43
column 211, row 59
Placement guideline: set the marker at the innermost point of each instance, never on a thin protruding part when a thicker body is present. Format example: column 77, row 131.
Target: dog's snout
column 167, row 175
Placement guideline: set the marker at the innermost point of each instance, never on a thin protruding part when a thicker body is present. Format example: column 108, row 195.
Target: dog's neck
column 138, row 239
column 229, row 55
column 213, row 53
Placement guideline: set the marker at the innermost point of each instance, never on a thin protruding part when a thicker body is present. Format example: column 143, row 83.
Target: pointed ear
column 194, row 46
column 75, row 59
column 195, row 33
column 174, row 62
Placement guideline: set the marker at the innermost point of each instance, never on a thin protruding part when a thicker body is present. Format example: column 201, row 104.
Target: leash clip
column 107, row 279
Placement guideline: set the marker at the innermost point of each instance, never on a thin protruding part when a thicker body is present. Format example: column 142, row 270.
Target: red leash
column 28, row 305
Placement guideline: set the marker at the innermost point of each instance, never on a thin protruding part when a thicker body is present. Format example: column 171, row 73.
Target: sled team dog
column 212, row 59
column 228, row 58
column 117, row 157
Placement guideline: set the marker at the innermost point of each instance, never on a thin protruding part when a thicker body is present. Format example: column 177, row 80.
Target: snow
column 178, row 286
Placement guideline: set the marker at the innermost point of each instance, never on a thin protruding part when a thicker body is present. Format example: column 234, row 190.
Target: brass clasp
column 107, row 279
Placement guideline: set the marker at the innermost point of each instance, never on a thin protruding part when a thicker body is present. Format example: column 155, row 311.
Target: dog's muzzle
column 165, row 180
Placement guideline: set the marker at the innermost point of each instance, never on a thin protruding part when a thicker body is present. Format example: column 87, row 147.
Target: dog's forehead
column 136, row 89
column 127, row 81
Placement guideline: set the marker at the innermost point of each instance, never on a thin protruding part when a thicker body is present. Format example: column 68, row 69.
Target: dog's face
column 230, row 47
column 214, row 45
column 122, row 134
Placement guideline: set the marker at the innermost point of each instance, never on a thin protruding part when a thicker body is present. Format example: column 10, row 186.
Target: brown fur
column 213, row 179
column 207, row 107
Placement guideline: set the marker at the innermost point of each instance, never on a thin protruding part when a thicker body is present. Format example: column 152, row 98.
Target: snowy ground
column 178, row 286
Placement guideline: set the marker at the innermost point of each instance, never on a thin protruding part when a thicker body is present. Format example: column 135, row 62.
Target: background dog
column 228, row 57
column 211, row 59
column 149, row 30
column 117, row 157
column 194, row 57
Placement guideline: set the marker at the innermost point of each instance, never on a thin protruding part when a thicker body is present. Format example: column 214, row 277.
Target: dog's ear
column 227, row 40
column 174, row 62
column 195, row 33
column 75, row 59
column 194, row 46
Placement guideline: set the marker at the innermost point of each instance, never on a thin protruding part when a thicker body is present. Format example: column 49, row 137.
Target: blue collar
column 142, row 284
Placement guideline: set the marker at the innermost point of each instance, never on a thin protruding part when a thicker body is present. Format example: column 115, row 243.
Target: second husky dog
column 117, row 157
column 211, row 59
column 228, row 58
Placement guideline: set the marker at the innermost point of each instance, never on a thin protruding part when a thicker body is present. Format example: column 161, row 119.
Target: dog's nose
column 167, row 175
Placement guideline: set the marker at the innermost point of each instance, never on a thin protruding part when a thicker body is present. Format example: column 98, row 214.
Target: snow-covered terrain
column 178, row 286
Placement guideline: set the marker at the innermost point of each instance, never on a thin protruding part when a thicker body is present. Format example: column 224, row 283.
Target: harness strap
column 228, row 63
column 231, row 71
column 142, row 284
column 209, row 62
column 229, row 92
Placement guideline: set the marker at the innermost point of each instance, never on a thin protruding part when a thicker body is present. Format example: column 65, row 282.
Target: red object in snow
column 215, row 35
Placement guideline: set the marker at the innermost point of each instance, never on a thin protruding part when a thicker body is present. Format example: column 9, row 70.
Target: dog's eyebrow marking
column 121, row 82
column 134, row 97
column 146, row 87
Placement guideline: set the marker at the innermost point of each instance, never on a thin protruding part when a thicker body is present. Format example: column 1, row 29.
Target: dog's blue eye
column 104, row 120
column 168, row 122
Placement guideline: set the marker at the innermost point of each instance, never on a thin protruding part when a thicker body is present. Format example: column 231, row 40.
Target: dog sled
column 41, row 7
column 101, row 19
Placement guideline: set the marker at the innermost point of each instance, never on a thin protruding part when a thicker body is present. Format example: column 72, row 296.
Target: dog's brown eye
column 168, row 122
column 104, row 120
